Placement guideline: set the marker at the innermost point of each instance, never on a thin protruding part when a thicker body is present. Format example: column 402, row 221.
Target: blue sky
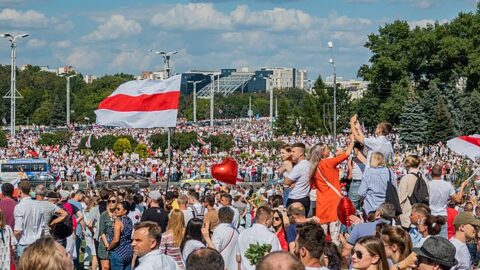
column 110, row 36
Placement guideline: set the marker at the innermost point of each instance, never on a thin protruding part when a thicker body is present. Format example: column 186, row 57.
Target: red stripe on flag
column 470, row 139
column 155, row 102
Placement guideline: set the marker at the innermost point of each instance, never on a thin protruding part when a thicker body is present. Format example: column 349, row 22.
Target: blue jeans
column 286, row 191
column 353, row 193
column 116, row 262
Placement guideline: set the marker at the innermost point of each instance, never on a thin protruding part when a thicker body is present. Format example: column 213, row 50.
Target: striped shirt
column 374, row 187
column 168, row 247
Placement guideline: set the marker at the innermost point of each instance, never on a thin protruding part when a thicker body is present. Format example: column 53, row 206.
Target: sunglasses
column 357, row 253
column 276, row 218
column 112, row 201
column 118, row 209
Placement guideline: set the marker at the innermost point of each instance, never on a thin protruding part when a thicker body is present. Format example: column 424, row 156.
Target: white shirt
column 378, row 144
column 260, row 234
column 29, row 220
column 461, row 254
column 300, row 175
column 225, row 239
column 187, row 215
column 440, row 192
column 236, row 216
column 190, row 246
column 155, row 260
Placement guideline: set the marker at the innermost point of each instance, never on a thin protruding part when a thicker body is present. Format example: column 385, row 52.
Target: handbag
column 345, row 207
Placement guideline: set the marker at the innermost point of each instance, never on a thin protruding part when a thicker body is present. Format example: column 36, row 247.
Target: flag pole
column 169, row 134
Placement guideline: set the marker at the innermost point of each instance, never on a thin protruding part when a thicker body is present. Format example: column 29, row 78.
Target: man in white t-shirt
column 466, row 229
column 259, row 233
column 440, row 192
column 379, row 143
column 299, row 178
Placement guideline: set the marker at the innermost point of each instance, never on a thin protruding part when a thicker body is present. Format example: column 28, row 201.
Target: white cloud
column 424, row 4
column 425, row 22
column 277, row 19
column 36, row 43
column 29, row 18
column 349, row 38
column 192, row 17
column 63, row 44
column 83, row 58
column 62, row 25
column 138, row 59
column 117, row 26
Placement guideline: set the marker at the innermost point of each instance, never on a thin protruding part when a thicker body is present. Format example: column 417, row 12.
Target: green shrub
column 121, row 146
column 142, row 150
column 181, row 141
column 223, row 142
column 105, row 142
column 55, row 138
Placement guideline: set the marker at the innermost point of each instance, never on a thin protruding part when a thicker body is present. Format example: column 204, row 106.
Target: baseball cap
column 464, row 218
column 155, row 195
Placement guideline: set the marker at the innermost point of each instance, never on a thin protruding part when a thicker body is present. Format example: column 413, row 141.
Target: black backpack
column 420, row 191
column 391, row 195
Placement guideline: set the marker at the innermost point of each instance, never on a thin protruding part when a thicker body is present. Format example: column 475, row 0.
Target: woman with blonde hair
column 398, row 244
column 369, row 254
column 45, row 254
column 325, row 178
column 374, row 183
column 7, row 244
column 172, row 238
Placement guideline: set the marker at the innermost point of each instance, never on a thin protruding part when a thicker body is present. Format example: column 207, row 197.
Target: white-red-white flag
column 142, row 104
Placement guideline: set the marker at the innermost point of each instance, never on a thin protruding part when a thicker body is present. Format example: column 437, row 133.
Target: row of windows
column 31, row 167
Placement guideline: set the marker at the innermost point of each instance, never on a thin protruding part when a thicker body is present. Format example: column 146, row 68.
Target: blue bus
column 10, row 169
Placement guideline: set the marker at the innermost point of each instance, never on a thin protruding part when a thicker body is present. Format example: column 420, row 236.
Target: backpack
column 420, row 191
column 64, row 229
column 391, row 196
column 195, row 212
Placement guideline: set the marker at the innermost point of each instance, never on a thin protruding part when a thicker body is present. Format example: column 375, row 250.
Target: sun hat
column 439, row 250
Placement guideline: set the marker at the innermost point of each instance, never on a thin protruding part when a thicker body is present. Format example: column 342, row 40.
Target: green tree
column 121, row 146
column 142, row 150
column 285, row 122
column 3, row 139
column 441, row 125
column 471, row 111
column 413, row 124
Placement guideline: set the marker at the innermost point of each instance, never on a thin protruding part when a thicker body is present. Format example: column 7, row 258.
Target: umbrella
column 468, row 146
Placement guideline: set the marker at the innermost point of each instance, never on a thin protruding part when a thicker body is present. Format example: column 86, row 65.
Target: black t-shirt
column 157, row 215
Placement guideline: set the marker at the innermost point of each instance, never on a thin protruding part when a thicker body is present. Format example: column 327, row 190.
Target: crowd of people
column 409, row 208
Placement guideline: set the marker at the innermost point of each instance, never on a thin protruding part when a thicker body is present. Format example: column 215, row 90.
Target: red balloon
column 226, row 171
column 344, row 210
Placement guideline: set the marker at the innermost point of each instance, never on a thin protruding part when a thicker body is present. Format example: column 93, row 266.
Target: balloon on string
column 345, row 209
column 226, row 171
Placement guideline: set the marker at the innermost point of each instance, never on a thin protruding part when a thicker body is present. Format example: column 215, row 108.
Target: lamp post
column 195, row 99
column 332, row 62
column 68, row 98
column 166, row 67
column 13, row 88
column 166, row 60
column 212, row 96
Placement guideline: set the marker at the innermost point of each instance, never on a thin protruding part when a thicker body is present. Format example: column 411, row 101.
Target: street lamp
column 13, row 89
column 166, row 60
column 212, row 96
column 332, row 62
column 195, row 99
column 68, row 98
